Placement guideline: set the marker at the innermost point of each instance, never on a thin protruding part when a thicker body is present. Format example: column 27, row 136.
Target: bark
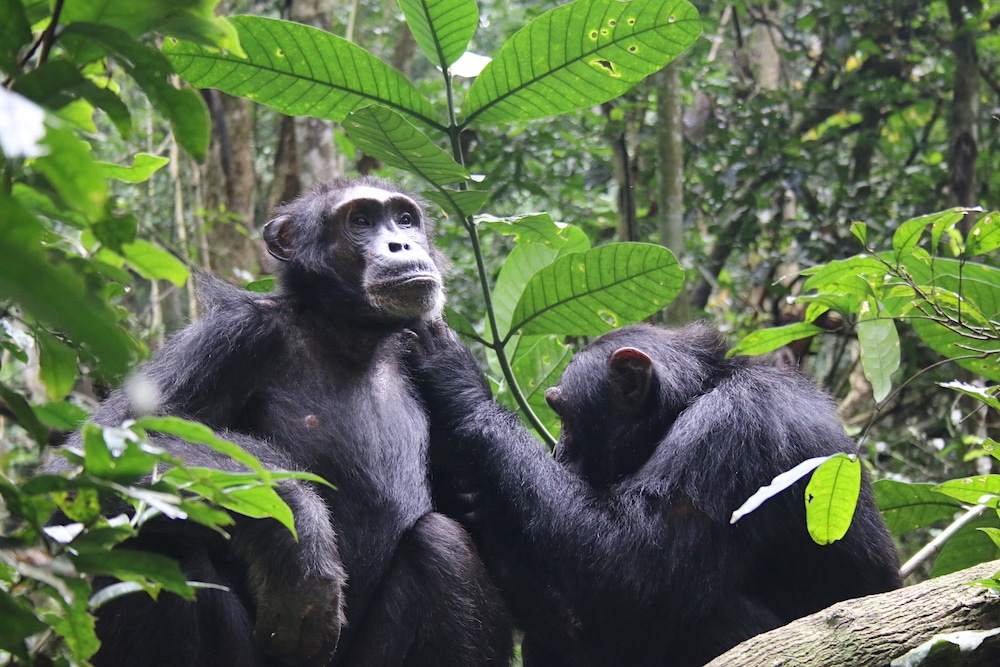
column 670, row 158
column 964, row 106
column 876, row 630
column 228, row 188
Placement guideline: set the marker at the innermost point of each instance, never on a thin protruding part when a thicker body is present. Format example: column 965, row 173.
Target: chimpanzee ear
column 276, row 235
column 631, row 372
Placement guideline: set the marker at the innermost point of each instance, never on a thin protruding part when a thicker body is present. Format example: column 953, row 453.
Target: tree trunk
column 876, row 630
column 670, row 159
column 964, row 105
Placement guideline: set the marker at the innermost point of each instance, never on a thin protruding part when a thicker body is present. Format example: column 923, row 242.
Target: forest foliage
column 75, row 253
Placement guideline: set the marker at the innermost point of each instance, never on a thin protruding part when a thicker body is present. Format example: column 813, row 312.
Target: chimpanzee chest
column 367, row 434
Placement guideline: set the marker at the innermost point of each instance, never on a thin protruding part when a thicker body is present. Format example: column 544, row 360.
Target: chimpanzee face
column 363, row 243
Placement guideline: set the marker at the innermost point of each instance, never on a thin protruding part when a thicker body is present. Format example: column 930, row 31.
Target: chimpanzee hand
column 448, row 376
column 298, row 586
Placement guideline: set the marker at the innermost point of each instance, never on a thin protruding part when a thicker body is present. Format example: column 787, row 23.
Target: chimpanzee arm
column 542, row 530
column 659, row 544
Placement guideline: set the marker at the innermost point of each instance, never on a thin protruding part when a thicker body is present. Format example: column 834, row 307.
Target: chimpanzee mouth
column 411, row 281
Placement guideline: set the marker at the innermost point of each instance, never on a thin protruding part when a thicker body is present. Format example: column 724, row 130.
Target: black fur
column 309, row 378
column 619, row 550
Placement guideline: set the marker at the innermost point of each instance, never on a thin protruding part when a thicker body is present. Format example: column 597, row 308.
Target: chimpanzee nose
column 396, row 246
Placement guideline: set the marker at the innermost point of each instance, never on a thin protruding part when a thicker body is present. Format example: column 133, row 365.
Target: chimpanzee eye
column 405, row 220
column 359, row 221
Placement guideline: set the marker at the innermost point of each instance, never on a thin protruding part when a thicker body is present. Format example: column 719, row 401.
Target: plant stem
column 497, row 343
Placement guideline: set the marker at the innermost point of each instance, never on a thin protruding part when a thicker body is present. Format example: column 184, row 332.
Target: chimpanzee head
column 361, row 247
column 620, row 395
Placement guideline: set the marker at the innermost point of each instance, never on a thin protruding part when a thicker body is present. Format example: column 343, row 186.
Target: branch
column 876, row 630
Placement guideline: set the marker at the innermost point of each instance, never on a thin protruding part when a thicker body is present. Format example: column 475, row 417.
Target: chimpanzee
column 310, row 378
column 619, row 550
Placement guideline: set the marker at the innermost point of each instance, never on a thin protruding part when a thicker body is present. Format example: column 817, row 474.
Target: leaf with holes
column 590, row 293
column 831, row 498
column 441, row 28
column 387, row 136
column 579, row 55
column 300, row 71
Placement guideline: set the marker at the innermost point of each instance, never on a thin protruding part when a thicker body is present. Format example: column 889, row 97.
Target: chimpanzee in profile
column 619, row 550
column 310, row 378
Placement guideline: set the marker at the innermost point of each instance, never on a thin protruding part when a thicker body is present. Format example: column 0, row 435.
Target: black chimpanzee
column 310, row 378
column 619, row 550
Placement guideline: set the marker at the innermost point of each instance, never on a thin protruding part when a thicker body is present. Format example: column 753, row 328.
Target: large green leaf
column 906, row 507
column 879, row 344
column 300, row 71
column 590, row 293
column 441, row 28
column 768, row 340
column 386, row 135
column 540, row 240
column 579, row 55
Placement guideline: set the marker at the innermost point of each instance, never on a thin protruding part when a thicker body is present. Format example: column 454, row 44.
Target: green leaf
column 537, row 362
column 580, row 55
column 200, row 434
column 906, row 237
column 133, row 565
column 58, row 83
column 985, row 395
column 143, row 167
column 879, row 343
column 590, row 293
column 57, row 365
column 387, row 136
column 768, row 340
column 441, row 28
column 18, row 624
column 463, row 203
column 984, row 236
column 55, row 295
column 23, row 414
column 300, row 71
column 75, row 624
column 69, row 168
column 540, row 241
column 968, row 547
column 190, row 19
column 15, row 32
column 184, row 108
column 112, row 453
column 831, row 498
column 860, row 232
column 979, row 286
column 153, row 263
column 907, row 507
column 980, row 490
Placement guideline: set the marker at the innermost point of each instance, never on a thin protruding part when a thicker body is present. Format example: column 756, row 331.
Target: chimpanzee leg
column 215, row 630
column 437, row 606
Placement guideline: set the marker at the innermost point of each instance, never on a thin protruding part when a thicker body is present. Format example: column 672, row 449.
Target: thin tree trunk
column 962, row 123
column 670, row 158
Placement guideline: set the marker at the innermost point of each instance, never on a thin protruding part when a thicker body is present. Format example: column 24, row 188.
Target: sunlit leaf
column 768, row 340
column 441, row 28
column 984, row 236
column 386, row 135
column 590, row 293
column 143, row 167
column 580, row 55
column 980, row 490
column 831, row 498
column 153, row 263
column 300, row 71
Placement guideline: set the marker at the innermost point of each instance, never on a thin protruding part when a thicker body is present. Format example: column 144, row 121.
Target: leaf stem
column 498, row 343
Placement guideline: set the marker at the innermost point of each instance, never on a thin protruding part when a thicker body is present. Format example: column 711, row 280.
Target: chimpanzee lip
column 409, row 280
